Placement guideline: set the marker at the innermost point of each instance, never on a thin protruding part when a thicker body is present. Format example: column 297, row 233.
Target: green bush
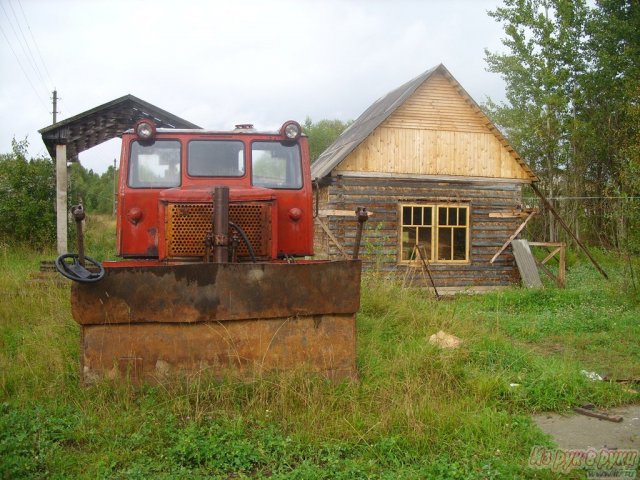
column 27, row 197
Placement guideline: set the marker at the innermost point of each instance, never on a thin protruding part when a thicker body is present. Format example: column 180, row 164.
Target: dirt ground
column 580, row 432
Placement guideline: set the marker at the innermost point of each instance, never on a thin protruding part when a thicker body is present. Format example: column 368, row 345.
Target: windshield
column 276, row 165
column 155, row 165
column 215, row 158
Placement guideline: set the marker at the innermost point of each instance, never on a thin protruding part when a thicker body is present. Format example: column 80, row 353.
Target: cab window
column 154, row 165
column 276, row 165
column 215, row 158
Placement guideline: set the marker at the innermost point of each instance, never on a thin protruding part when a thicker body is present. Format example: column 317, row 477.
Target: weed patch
column 417, row 411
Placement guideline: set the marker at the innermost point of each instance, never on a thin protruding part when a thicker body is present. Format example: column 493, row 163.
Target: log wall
column 381, row 236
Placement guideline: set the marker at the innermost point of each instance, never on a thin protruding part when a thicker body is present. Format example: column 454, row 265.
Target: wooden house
column 435, row 172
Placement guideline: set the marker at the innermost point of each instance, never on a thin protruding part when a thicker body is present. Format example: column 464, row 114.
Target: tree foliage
column 572, row 89
column 27, row 197
column 96, row 192
column 322, row 134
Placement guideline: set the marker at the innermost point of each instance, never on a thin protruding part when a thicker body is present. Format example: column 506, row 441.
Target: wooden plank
column 339, row 213
column 562, row 278
column 526, row 264
column 546, row 244
column 398, row 147
column 508, row 215
column 332, row 237
column 515, row 234
column 551, row 255
column 548, row 272
column 419, row 176
column 424, row 258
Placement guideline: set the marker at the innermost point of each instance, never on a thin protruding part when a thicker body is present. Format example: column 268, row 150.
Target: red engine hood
column 200, row 194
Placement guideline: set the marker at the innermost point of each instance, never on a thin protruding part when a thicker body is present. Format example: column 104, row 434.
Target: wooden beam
column 562, row 276
column 567, row 229
column 332, row 237
column 515, row 234
column 560, row 247
column 547, row 244
column 506, row 215
column 339, row 213
column 511, row 214
column 425, row 267
column 550, row 256
column 549, row 273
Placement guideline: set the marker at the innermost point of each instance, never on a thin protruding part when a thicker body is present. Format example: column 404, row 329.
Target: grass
column 417, row 412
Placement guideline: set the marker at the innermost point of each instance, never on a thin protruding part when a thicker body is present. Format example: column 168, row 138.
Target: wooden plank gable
column 437, row 131
column 437, row 105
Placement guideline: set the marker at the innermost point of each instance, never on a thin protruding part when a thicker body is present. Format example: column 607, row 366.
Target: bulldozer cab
column 165, row 194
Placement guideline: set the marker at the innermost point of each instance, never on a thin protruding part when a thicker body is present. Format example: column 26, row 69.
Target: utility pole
column 55, row 106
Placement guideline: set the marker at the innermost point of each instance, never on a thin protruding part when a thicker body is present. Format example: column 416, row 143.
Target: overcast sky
column 220, row 63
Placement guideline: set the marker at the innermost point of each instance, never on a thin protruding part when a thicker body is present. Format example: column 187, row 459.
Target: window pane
column 417, row 215
column 215, row 158
column 444, row 244
column 155, row 165
column 462, row 216
column 459, row 244
column 276, row 165
column 406, row 215
column 442, row 215
column 408, row 242
column 453, row 216
column 428, row 216
column 424, row 239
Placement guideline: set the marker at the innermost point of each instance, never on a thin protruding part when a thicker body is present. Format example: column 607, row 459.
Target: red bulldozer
column 214, row 232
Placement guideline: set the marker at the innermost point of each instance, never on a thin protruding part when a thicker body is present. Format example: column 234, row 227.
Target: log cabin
column 436, row 174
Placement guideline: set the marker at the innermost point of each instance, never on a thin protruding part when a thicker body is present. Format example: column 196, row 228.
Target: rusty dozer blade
column 151, row 322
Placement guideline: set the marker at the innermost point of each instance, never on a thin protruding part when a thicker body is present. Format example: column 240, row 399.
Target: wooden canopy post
column 61, row 198
column 567, row 229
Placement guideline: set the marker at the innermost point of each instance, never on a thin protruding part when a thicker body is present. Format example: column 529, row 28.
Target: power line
column 33, row 38
column 586, row 198
column 34, row 64
column 15, row 34
column 23, row 70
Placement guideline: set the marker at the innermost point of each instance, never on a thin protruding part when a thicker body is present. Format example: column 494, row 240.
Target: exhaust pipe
column 221, row 224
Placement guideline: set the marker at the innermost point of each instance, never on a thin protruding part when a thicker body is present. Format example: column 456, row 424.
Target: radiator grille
column 187, row 225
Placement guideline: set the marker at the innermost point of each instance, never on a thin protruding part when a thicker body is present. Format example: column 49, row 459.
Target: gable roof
column 382, row 109
column 105, row 122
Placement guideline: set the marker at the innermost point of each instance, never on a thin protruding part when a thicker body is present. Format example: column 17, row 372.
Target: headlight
column 291, row 130
column 145, row 129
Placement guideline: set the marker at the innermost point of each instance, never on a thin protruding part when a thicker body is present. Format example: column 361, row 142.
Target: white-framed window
column 440, row 230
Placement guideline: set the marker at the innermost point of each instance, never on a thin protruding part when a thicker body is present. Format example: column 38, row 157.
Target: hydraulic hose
column 245, row 239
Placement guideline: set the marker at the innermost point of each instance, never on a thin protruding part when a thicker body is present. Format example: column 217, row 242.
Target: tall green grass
column 416, row 412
